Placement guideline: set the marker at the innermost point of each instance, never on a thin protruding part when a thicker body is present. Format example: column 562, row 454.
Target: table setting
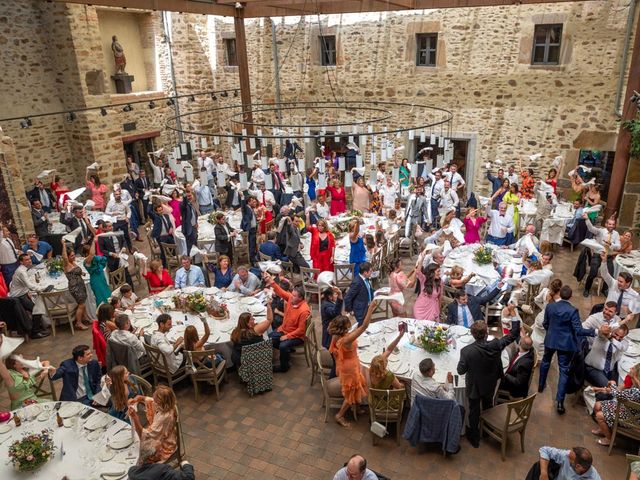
column 631, row 357
column 55, row 440
column 554, row 226
column 628, row 262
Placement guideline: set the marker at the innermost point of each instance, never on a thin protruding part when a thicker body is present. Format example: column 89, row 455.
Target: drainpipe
column 276, row 72
column 617, row 109
column 176, row 103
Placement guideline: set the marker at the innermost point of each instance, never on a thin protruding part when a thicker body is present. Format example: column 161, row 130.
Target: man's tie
column 608, row 358
column 465, row 318
column 83, row 226
column 619, row 302
column 264, row 200
column 87, row 384
column 186, row 279
column 513, row 362
column 366, row 282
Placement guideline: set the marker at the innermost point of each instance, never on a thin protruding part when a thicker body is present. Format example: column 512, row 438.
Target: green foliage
column 633, row 127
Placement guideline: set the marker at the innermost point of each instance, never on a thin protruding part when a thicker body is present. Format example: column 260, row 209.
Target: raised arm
column 356, row 332
column 262, row 327
column 392, row 346
column 207, row 332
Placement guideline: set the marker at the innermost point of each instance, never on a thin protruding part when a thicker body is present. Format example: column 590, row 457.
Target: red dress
column 157, row 284
column 321, row 259
column 338, row 200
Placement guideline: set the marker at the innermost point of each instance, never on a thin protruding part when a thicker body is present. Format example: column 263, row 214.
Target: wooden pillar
column 629, row 110
column 243, row 67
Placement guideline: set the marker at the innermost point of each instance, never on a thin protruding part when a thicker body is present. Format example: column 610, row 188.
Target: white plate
column 249, row 300
column 106, row 455
column 634, row 335
column 366, row 357
column 94, row 435
column 121, row 442
column 5, row 428
column 97, row 421
column 44, row 416
column 70, row 409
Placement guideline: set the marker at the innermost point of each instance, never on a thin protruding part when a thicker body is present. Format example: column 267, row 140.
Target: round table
column 630, row 263
column 146, row 312
column 631, row 357
column 206, row 230
column 86, row 448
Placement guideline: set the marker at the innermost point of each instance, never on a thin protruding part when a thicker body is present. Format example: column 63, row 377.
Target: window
column 230, row 49
column 546, row 45
column 426, row 49
column 328, row 50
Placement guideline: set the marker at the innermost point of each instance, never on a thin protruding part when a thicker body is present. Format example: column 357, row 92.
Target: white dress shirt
column 456, row 180
column 257, row 175
column 119, row 210
column 125, row 337
column 8, row 252
column 189, row 278
column 158, row 175
column 428, row 387
column 630, row 298
column 436, row 188
column 498, row 222
column 389, row 194
column 598, row 354
column 449, row 199
column 323, row 211
column 513, row 178
column 21, row 284
column 160, row 340
column 601, row 235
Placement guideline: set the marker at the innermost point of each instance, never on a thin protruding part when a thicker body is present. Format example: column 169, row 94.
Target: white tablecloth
column 631, row 357
column 59, row 228
column 553, row 227
column 82, row 448
column 205, row 230
column 629, row 263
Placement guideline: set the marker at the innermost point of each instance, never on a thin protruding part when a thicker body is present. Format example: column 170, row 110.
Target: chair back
column 177, row 456
column 343, row 275
column 197, row 363
column 99, row 343
column 309, row 282
column 42, row 391
column 158, row 361
column 121, row 354
column 117, row 278
column 386, row 405
column 518, row 413
column 444, row 305
column 170, row 251
column 144, row 387
column 208, row 246
column 58, row 308
column 324, row 360
column 256, row 367
column 154, row 248
column 263, row 257
column 531, row 292
column 630, row 426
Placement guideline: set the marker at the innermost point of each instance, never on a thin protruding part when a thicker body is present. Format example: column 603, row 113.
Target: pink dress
column 97, row 194
column 472, row 229
column 397, row 283
column 175, row 211
column 360, row 198
column 427, row 307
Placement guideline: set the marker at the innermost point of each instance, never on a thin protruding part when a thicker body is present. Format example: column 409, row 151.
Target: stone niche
column 135, row 32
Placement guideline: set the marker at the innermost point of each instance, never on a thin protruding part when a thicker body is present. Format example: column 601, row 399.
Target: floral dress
column 609, row 406
column 77, row 288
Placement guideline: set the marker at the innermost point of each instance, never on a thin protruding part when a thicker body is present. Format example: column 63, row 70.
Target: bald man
column 516, row 378
column 355, row 469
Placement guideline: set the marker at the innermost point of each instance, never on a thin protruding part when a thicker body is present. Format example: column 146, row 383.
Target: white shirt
column 157, row 173
column 322, row 210
column 389, row 194
column 124, row 337
column 8, row 253
column 527, row 243
column 456, row 180
column 449, row 199
column 461, row 309
column 498, row 222
column 160, row 340
column 630, row 298
column 21, row 283
column 598, row 354
column 265, row 198
column 125, row 197
column 601, row 234
column 437, row 188
column 428, row 387
column 513, row 178
column 207, row 163
column 597, row 320
column 119, row 210
column 257, row 175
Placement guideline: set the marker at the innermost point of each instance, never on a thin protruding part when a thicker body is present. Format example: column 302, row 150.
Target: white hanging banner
column 322, row 181
column 441, row 142
column 243, row 145
column 348, row 179
column 383, row 155
column 179, row 170
column 341, row 164
column 359, row 162
column 216, row 140
column 241, row 158
column 244, row 132
column 370, row 128
column 203, row 142
column 243, row 181
column 322, row 165
column 307, row 134
column 440, row 161
column 172, row 162
column 414, row 170
column 268, row 182
column 373, row 158
column 301, row 165
column 362, row 142
column 176, row 152
column 234, row 154
column 447, row 142
column 265, row 162
column 389, row 150
column 433, row 139
column 428, row 166
column 336, row 138
column 252, row 143
column 395, row 175
column 229, row 139
column 350, row 139
column 183, row 148
column 282, row 163
column 193, row 144
column 373, row 141
column 423, row 136
column 411, row 134
column 188, row 172
column 259, row 132
column 448, row 155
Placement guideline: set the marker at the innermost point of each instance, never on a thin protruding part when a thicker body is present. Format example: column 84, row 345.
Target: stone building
column 479, row 65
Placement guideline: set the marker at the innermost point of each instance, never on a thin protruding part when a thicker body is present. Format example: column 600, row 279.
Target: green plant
column 55, row 265
column 483, row 255
column 633, row 127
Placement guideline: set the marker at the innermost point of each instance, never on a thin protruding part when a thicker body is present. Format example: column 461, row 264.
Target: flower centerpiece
column 55, row 266
column 483, row 255
column 434, row 339
column 217, row 310
column 212, row 218
column 354, row 213
column 179, row 302
column 196, row 302
column 32, row 451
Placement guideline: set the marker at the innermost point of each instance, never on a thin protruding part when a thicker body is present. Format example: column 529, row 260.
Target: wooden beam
column 182, row 6
column 243, row 68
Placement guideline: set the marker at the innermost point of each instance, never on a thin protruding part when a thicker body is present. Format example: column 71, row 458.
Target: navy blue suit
column 329, row 311
column 562, row 323
column 496, row 182
column 68, row 372
column 358, row 298
column 190, row 232
column 475, row 303
column 272, row 250
column 245, row 225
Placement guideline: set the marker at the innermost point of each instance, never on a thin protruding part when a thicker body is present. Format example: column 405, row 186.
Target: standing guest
column 271, row 249
column 562, row 323
column 248, row 332
column 59, row 188
column 158, row 172
column 162, row 230
column 124, row 336
column 203, row 196
column 310, row 181
column 34, row 245
column 224, row 235
column 518, row 373
column 547, row 295
column 498, row 196
column 556, row 464
column 118, row 209
column 189, row 215
column 472, row 224
column 501, row 227
column 496, row 182
column 358, row 252
column 417, row 212
column 188, row 275
column 47, row 199
column 290, row 230
column 330, row 308
column 390, row 193
column 360, row 293
column 609, row 240
column 142, row 191
column 257, row 173
column 293, row 329
column 245, row 282
column 158, row 278
column 111, row 246
column 456, row 180
column 344, row 348
column 77, row 287
column 512, row 199
column 448, row 200
column 322, row 208
column 398, row 282
column 97, row 190
column 423, row 382
column 95, row 265
column 21, row 384
column 427, row 305
column 552, row 180
column 323, row 246
column 175, row 203
column 122, row 389
column 78, row 219
column 80, row 376
column 528, row 183
column 437, row 187
column 249, row 224
column 360, row 194
column 338, row 198
column 8, row 255
column 277, row 181
column 480, row 362
column 512, row 176
column 620, row 290
column 222, row 273
column 40, row 218
column 268, row 202
column 600, row 363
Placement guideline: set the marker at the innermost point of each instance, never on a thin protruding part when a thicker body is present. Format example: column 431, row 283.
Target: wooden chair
column 507, row 418
column 287, row 268
column 305, row 351
column 263, row 257
column 42, row 391
column 154, row 248
column 503, row 396
column 493, row 311
column 631, row 459
column 376, row 267
column 208, row 246
column 406, row 246
column 117, row 278
column 201, row 368
column 170, row 251
column 241, row 251
column 629, row 427
column 343, row 275
column 381, row 312
column 144, row 387
column 309, row 283
column 160, row 367
column 385, row 406
column 444, row 304
column 180, row 453
column 331, row 388
column 58, row 308
column 311, row 349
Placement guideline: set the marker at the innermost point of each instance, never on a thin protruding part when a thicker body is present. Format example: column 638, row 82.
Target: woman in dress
column 175, row 203
column 591, row 199
column 77, row 288
column 95, row 265
column 222, row 273
column 551, row 179
column 161, row 416
column 546, row 296
column 248, row 332
column 626, row 243
column 158, row 278
column 405, row 172
column 338, row 198
column 370, row 245
column 323, row 245
column 497, row 197
column 122, row 389
column 512, row 198
column 311, row 183
column 398, row 282
column 59, row 188
column 379, row 375
column 528, row 183
column 360, row 195
column 358, row 252
column 106, row 320
column 21, row 385
column 472, row 224
column 97, row 190
column 427, row 305
column 344, row 348
column 577, row 187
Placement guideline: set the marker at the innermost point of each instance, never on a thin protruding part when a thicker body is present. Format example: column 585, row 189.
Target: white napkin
column 592, row 244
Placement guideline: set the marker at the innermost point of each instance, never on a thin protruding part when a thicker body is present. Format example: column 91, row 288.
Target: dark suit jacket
column 72, row 222
column 247, row 213
column 161, row 471
column 107, row 246
column 68, row 372
column 40, row 224
column 156, row 230
column 186, row 212
column 329, row 311
column 481, row 363
column 474, row 307
column 139, row 184
column 563, row 326
column 357, row 299
column 34, row 194
column 516, row 380
column 273, row 251
column 223, row 241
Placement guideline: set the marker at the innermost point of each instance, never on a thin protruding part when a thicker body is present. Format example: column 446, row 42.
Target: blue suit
column 68, row 372
column 562, row 323
column 496, row 182
column 190, row 232
column 358, row 298
column 245, row 224
column 272, row 250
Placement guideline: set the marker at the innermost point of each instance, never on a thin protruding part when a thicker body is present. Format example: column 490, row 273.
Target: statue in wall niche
column 118, row 55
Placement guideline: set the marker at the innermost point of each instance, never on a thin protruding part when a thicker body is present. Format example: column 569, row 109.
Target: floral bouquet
column 434, row 339
column 32, row 451
column 55, row 266
column 217, row 310
column 196, row 302
column 483, row 255
column 179, row 302
column 354, row 213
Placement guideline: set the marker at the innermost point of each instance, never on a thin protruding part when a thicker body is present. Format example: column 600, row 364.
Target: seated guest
column 501, row 227
column 355, row 469
column 245, row 282
column 175, row 359
column 271, row 249
column 23, row 289
column 607, row 349
column 330, row 308
column 158, row 279
column 80, row 376
column 34, row 245
column 466, row 309
column 248, row 332
column 423, row 383
column 124, row 336
column 148, row 470
column 606, row 317
column 122, row 388
column 161, row 416
column 519, row 371
column 379, row 375
column 620, row 290
column 21, row 385
column 528, row 244
column 456, row 278
column 188, row 275
column 128, row 299
column 194, row 343
column 292, row 331
column 106, row 320
column 360, row 293
column 222, row 273
column 578, row 210
column 556, row 464
column 545, row 260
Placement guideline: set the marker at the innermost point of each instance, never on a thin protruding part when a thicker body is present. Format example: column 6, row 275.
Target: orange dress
column 354, row 385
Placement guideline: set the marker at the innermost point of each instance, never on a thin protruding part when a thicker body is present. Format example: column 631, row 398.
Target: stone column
column 10, row 167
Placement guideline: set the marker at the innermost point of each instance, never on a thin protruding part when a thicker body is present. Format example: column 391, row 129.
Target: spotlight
column 127, row 108
column 192, row 98
column 224, row 94
column 170, row 102
column 239, row 5
column 71, row 116
column 103, row 112
column 213, row 96
column 26, row 123
column 152, row 105
column 235, row 93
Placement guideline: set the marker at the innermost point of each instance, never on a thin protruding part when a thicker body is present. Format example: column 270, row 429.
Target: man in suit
column 78, row 219
column 271, row 249
column 249, row 224
column 80, row 376
column 480, row 362
column 277, row 188
column 466, row 308
column 147, row 470
column 162, row 230
column 111, row 246
column 562, row 323
column 142, row 185
column 519, row 371
column 417, row 211
column 360, row 293
column 47, row 199
column 189, row 220
column 40, row 218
